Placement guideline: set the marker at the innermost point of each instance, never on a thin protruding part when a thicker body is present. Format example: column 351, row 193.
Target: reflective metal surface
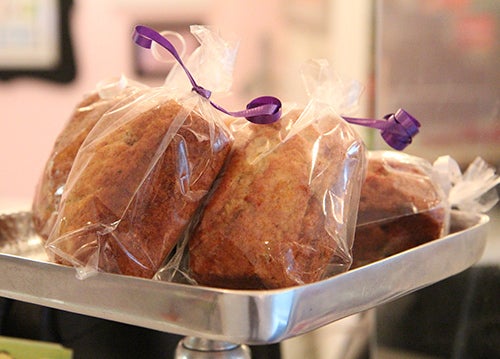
column 198, row 348
column 237, row 316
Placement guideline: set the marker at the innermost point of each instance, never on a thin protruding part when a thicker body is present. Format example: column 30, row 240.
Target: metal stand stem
column 198, row 348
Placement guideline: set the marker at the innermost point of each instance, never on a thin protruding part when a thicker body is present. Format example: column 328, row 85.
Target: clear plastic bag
column 406, row 201
column 401, row 206
column 108, row 94
column 283, row 211
column 139, row 177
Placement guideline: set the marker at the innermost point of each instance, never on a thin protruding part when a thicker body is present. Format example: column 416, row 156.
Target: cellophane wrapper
column 474, row 190
column 142, row 172
column 283, row 211
column 106, row 96
column 402, row 205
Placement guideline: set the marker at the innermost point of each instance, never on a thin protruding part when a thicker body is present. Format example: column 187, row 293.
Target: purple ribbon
column 262, row 110
column 397, row 129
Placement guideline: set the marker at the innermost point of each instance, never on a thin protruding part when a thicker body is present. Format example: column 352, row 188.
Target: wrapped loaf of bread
column 135, row 183
column 51, row 183
column 401, row 207
column 284, row 208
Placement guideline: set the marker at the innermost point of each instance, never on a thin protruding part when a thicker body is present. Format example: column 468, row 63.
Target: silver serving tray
column 238, row 316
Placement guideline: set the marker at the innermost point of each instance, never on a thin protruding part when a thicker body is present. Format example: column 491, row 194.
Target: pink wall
column 34, row 111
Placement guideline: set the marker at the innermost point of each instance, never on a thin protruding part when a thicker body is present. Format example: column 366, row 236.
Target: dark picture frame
column 62, row 67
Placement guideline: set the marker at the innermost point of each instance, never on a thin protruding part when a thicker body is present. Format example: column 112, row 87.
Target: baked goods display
column 401, row 207
column 282, row 212
column 130, row 181
column 135, row 183
column 51, row 183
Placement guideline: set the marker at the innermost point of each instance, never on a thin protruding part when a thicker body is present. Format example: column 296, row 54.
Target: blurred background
column 438, row 59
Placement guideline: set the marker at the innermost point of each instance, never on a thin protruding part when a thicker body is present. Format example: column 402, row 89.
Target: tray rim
column 235, row 315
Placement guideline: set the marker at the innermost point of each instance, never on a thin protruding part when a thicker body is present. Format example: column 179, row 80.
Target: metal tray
column 238, row 316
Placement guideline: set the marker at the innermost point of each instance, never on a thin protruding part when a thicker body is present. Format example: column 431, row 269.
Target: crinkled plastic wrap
column 472, row 191
column 283, row 211
column 402, row 205
column 137, row 180
column 50, row 186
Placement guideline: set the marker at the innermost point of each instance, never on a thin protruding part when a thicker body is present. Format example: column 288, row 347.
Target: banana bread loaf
column 51, row 183
column 108, row 94
column 135, row 189
column 269, row 222
column 400, row 207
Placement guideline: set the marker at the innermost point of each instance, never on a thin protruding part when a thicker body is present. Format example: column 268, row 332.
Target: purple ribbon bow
column 262, row 110
column 397, row 129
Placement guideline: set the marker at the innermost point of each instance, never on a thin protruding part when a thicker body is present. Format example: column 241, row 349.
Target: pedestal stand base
column 198, row 348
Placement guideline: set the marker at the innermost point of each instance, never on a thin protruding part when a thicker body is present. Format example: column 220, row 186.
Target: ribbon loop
column 400, row 129
column 265, row 109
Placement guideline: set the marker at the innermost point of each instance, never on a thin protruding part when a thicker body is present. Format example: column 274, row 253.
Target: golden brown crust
column 400, row 208
column 58, row 166
column 264, row 226
column 135, row 221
